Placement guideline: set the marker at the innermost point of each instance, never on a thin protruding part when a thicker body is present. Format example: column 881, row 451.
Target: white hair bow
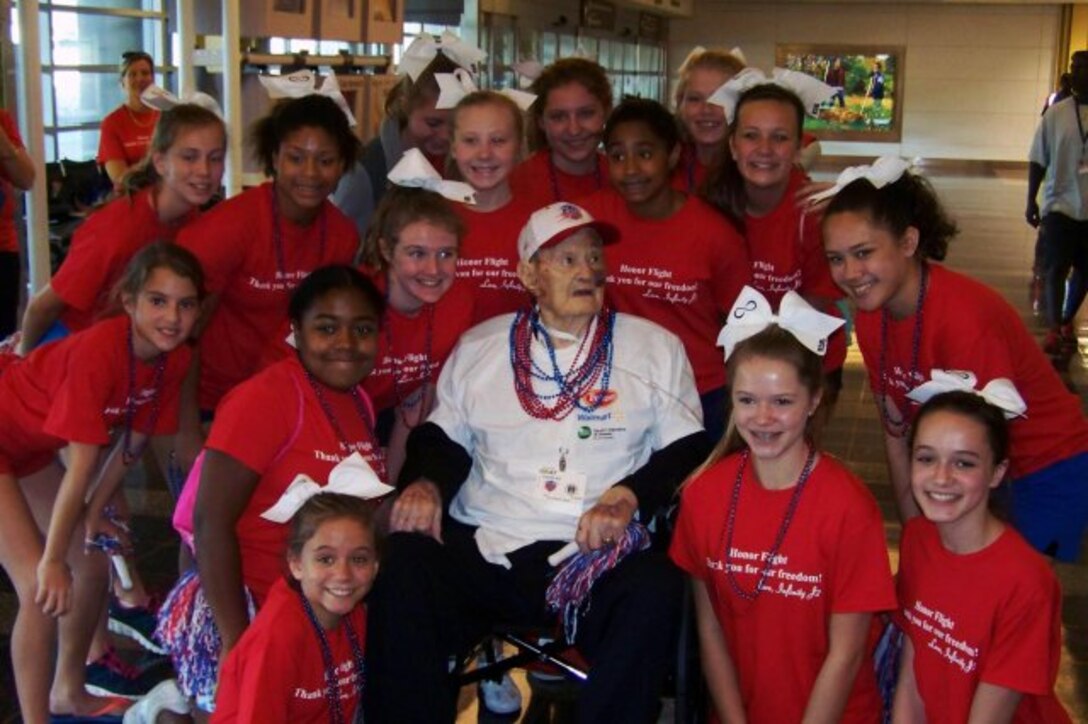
column 811, row 91
column 999, row 392
column 303, row 83
column 425, row 47
column 452, row 87
column 163, row 100
column 528, row 71
column 883, row 171
column 413, row 170
column 752, row 313
column 351, row 476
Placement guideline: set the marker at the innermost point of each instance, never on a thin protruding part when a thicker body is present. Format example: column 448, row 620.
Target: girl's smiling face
column 765, row 143
column 870, row 264
column 640, row 164
column 485, row 145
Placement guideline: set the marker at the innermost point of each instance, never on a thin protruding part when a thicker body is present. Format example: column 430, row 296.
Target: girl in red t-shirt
column 120, row 380
column 126, row 132
column 256, row 247
column 784, row 545
column 487, row 132
column 162, row 193
column 914, row 316
column 981, row 610
column 299, row 416
column 574, row 97
column 758, row 185
column 301, row 660
column 411, row 254
column 703, row 124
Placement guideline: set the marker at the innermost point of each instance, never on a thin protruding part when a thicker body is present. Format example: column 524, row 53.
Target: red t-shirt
column 235, row 244
column 682, row 272
column 101, row 249
column 690, row 173
column 537, row 182
column 833, row 560
column 992, row 616
column 76, row 390
column 488, row 259
column 9, row 239
column 275, row 425
column 787, row 251
column 968, row 326
column 276, row 674
column 121, row 138
column 413, row 349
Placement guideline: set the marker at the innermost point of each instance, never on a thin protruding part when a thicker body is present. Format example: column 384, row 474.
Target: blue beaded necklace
column 332, row 690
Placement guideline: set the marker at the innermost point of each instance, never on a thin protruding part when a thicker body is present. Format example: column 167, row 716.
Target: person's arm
column 54, row 593
column 1036, row 174
column 110, row 475
column 847, row 634
column 718, row 668
column 15, row 163
column 43, row 309
column 899, row 476
column 907, row 707
column 434, row 468
column 226, row 485
column 993, row 704
column 115, row 169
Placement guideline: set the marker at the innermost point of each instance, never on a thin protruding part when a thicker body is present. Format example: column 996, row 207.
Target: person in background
column 16, row 172
column 703, row 124
column 126, row 131
column 574, row 98
column 1057, row 166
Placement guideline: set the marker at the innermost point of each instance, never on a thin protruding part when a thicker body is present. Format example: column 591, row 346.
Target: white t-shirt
column 531, row 479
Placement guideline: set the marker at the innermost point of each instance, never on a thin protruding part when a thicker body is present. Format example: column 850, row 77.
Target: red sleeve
column 110, row 146
column 89, row 384
column 862, row 574
column 815, row 272
column 87, row 270
column 256, row 419
column 1027, row 637
column 11, row 129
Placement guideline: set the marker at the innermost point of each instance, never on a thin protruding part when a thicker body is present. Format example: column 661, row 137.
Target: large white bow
column 303, row 83
column 351, row 476
column 883, row 171
column 413, row 170
column 752, row 313
column 999, row 392
column 811, row 91
column 452, row 87
column 425, row 47
column 163, row 100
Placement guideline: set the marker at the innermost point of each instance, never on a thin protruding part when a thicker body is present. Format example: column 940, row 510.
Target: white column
column 32, row 129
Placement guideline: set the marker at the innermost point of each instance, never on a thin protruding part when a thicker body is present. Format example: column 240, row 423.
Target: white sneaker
column 165, row 696
column 501, row 697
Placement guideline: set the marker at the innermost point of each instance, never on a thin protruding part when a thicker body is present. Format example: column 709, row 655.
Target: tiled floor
column 995, row 245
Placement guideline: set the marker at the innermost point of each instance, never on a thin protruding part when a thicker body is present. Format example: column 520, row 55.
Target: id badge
column 561, row 490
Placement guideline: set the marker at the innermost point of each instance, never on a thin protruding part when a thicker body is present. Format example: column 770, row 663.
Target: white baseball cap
column 554, row 223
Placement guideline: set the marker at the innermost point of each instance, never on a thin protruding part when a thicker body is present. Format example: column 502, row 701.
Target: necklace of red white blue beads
column 591, row 368
column 780, row 536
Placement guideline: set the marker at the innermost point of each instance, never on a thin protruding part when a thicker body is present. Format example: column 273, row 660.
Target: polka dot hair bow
column 351, row 476
column 425, row 47
column 413, row 170
column 812, row 92
column 304, row 83
column 751, row 314
column 452, row 87
column 163, row 100
column 999, row 392
column 883, row 171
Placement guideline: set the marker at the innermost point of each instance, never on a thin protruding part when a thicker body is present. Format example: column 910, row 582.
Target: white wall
column 976, row 75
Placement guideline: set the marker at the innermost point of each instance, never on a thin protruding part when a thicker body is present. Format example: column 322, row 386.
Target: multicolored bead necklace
column 398, row 392
column 378, row 457
column 574, row 388
column 899, row 428
column 332, row 689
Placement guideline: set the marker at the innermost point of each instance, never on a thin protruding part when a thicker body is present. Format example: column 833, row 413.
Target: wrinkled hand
column 54, row 592
column 605, row 522
column 1032, row 214
column 418, row 509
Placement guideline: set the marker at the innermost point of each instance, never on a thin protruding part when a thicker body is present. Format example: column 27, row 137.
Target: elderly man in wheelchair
column 563, row 423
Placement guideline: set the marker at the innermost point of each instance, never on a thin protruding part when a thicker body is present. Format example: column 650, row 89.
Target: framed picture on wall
column 868, row 82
